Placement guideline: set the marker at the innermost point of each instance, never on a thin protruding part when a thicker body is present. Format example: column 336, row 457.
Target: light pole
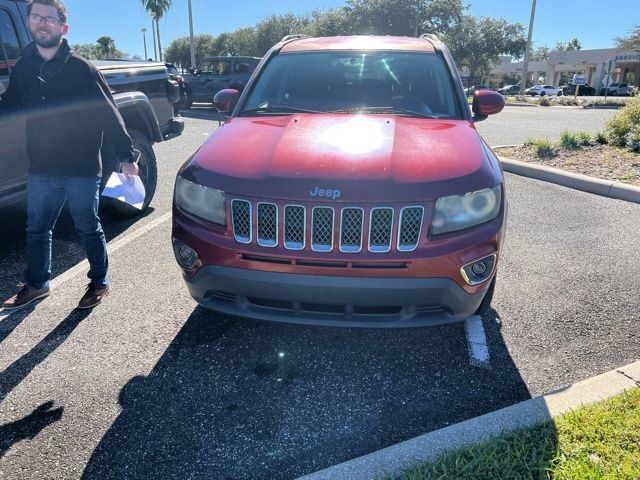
column 155, row 52
column 191, row 47
column 525, row 63
column 144, row 40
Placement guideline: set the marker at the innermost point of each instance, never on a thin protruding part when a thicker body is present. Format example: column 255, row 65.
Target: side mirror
column 485, row 103
column 226, row 100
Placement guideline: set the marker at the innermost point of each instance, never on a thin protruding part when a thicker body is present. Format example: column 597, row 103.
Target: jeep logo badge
column 325, row 192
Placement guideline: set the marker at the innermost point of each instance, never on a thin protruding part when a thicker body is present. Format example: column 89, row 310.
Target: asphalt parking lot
column 149, row 385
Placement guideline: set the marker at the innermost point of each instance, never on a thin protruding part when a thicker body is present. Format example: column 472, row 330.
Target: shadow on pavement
column 18, row 370
column 67, row 250
column 29, row 426
column 235, row 399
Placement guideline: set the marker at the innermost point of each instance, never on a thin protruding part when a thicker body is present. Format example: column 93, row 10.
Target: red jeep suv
column 349, row 187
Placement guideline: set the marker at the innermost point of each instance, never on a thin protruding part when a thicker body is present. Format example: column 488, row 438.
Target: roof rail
column 286, row 38
column 430, row 36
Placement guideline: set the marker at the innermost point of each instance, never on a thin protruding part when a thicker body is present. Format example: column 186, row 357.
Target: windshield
column 406, row 83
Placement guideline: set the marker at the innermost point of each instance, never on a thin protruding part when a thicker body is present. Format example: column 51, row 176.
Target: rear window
column 340, row 81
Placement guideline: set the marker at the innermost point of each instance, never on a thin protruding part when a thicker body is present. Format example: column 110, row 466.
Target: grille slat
column 350, row 235
column 322, row 229
column 241, row 217
column 267, row 224
column 410, row 228
column 351, row 225
column 295, row 220
column 380, row 230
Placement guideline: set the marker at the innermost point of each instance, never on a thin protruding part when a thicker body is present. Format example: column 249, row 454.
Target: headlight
column 205, row 202
column 458, row 212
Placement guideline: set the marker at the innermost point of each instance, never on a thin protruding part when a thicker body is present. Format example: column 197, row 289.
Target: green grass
column 569, row 140
column 596, row 442
column 543, row 148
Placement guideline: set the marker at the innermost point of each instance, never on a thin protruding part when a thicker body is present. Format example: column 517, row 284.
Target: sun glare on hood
column 356, row 136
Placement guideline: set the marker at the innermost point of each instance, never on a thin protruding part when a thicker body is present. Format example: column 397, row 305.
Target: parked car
column 473, row 89
column 216, row 73
column 348, row 188
column 621, row 89
column 586, row 90
column 543, row 90
column 143, row 93
column 509, row 90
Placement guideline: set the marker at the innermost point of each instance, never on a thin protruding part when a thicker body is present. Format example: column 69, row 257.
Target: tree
column 540, row 54
column 179, row 53
column 478, row 42
column 157, row 9
column 330, row 22
column 272, row 29
column 572, row 45
column 404, row 17
column 86, row 50
column 106, row 46
column 631, row 42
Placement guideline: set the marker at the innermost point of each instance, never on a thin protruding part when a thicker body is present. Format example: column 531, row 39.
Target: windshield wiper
column 278, row 109
column 399, row 110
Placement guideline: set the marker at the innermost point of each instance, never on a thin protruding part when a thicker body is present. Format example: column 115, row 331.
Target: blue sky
column 592, row 23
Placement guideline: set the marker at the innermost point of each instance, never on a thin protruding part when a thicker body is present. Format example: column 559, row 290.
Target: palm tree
column 106, row 46
column 157, row 9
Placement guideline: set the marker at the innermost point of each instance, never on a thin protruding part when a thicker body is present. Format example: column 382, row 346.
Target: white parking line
column 84, row 265
column 477, row 342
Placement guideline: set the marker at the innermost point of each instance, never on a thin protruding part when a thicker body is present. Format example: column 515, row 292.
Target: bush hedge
column 623, row 129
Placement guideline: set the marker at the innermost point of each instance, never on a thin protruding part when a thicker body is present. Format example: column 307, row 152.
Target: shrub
column 521, row 98
column 601, row 138
column 584, row 139
column 620, row 127
column 544, row 102
column 633, row 139
column 569, row 140
column 542, row 148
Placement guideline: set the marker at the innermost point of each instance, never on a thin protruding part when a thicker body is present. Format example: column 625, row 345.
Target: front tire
column 148, row 166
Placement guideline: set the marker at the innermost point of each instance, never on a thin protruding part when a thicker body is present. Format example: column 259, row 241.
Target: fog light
column 185, row 256
column 479, row 268
column 479, row 271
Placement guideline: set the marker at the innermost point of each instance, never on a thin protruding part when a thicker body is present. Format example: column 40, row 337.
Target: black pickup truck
column 143, row 93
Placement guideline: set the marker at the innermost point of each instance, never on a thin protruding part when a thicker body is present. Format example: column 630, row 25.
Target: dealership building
column 622, row 66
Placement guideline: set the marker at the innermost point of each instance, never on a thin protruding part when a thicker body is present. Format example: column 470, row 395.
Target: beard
column 45, row 40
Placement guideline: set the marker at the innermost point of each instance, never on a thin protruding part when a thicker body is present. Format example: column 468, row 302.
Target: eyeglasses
column 50, row 21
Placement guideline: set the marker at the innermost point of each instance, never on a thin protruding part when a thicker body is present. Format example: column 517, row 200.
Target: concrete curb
column 426, row 448
column 606, row 188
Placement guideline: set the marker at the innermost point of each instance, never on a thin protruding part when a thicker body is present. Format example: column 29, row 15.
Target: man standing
column 70, row 114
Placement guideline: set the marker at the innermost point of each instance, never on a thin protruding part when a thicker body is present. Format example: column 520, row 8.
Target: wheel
column 148, row 175
column 542, row 93
column 559, row 94
column 613, row 93
column 486, row 301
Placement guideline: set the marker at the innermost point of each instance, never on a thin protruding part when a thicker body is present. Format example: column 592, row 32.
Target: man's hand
column 130, row 169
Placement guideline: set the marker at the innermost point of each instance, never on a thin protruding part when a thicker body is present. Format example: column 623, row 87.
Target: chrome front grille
column 295, row 220
column 322, row 229
column 354, row 226
column 267, row 224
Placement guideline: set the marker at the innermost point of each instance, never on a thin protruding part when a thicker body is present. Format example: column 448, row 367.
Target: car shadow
column 236, row 399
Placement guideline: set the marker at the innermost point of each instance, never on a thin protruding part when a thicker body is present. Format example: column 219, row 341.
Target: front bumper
column 332, row 300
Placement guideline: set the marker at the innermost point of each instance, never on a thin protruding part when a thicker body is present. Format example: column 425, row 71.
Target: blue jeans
column 46, row 195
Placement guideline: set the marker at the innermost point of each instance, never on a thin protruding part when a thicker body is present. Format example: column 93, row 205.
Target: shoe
column 25, row 296
column 93, row 296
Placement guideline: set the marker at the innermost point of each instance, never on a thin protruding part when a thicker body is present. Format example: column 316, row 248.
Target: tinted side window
column 242, row 67
column 10, row 44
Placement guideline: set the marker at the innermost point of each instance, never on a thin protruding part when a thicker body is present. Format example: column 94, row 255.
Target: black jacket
column 70, row 113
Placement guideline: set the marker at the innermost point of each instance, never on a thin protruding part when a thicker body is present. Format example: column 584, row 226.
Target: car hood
column 363, row 156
